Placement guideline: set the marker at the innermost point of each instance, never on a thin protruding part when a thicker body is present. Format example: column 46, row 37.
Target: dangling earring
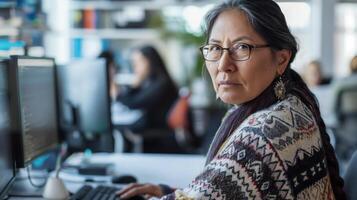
column 279, row 89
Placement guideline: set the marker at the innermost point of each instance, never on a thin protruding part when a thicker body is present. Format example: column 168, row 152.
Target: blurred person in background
column 320, row 87
column 150, row 90
column 313, row 75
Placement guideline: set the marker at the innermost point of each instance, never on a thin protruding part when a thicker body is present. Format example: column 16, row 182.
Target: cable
column 31, row 182
column 61, row 154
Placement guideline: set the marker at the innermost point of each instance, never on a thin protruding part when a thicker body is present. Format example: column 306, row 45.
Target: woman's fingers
column 127, row 188
column 140, row 189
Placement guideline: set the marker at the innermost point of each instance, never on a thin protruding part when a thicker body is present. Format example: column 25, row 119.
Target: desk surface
column 172, row 169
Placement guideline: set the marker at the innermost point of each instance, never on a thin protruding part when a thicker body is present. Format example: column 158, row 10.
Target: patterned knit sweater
column 275, row 153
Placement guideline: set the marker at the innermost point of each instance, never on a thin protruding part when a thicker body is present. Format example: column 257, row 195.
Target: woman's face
column 237, row 82
column 141, row 66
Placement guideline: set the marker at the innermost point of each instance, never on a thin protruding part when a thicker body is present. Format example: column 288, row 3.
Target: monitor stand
column 22, row 187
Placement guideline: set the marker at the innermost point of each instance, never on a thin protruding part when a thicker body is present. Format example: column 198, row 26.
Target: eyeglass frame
column 250, row 46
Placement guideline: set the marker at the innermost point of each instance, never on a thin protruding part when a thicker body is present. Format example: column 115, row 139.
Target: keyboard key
column 98, row 193
column 87, row 192
column 82, row 192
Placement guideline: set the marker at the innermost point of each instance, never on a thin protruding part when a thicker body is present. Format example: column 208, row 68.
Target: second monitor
column 84, row 100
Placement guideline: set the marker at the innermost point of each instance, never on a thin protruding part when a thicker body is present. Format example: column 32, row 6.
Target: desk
column 171, row 169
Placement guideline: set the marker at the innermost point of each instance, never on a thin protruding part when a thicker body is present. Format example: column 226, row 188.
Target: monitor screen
column 7, row 172
column 84, row 101
column 33, row 106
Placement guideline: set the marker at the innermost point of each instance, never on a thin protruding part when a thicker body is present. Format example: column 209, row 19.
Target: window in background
column 190, row 16
column 185, row 23
column 298, row 17
column 345, row 37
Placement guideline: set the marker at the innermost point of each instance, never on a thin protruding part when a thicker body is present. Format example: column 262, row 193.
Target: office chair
column 179, row 120
column 191, row 129
column 194, row 126
column 346, row 127
column 130, row 129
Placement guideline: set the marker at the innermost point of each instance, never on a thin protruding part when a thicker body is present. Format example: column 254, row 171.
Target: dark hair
column 267, row 19
column 108, row 56
column 156, row 63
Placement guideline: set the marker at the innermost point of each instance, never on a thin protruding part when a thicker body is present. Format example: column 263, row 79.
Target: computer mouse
column 124, row 179
column 89, row 180
column 137, row 198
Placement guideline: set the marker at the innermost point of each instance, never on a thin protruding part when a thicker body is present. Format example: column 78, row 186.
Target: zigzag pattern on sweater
column 252, row 139
column 275, row 153
column 276, row 126
column 225, row 177
column 320, row 190
column 300, row 154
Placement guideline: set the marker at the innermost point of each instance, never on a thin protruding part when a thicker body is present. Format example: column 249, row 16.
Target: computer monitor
column 32, row 91
column 7, row 171
column 84, row 101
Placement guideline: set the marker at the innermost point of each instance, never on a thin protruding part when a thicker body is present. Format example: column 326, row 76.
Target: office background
column 81, row 29
column 68, row 30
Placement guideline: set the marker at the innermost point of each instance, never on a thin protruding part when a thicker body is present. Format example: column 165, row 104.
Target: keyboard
column 88, row 192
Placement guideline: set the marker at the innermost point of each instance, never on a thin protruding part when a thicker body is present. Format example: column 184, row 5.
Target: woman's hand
column 147, row 190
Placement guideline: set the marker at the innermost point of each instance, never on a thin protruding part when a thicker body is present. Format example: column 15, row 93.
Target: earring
column 217, row 96
column 279, row 89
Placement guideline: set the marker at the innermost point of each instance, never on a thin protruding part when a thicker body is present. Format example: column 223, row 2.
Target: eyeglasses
column 238, row 51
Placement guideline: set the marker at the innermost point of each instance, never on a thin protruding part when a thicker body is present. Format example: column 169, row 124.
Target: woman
column 273, row 143
column 152, row 89
column 313, row 75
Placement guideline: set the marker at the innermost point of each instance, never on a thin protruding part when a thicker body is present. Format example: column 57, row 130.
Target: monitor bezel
column 3, row 192
column 15, row 105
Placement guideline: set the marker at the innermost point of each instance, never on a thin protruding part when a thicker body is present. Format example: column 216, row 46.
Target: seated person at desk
column 272, row 144
column 151, row 91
